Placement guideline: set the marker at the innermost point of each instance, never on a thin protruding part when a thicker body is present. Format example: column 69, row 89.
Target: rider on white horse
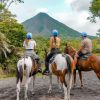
column 54, row 48
column 30, row 45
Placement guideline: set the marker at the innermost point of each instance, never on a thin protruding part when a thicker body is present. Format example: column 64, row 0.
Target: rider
column 86, row 45
column 54, row 49
column 29, row 45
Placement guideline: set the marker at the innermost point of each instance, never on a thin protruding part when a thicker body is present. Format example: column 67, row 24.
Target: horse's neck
column 71, row 51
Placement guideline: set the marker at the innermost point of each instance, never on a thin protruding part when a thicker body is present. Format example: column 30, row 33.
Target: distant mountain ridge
column 42, row 24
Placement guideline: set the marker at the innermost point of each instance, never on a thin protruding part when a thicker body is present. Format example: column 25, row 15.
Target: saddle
column 52, row 58
column 85, row 56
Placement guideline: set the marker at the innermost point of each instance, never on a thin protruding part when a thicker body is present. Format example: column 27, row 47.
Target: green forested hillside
column 42, row 24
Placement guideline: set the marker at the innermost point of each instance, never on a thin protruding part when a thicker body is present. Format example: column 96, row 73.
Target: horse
column 92, row 63
column 59, row 67
column 25, row 67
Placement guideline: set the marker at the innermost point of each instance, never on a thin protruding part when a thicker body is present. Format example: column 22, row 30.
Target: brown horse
column 59, row 67
column 92, row 63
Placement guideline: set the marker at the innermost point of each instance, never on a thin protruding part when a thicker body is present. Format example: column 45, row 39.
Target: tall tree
column 9, row 26
column 11, row 32
column 95, row 10
column 4, row 45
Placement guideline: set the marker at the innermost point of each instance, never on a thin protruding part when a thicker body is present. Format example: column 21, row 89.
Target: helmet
column 83, row 34
column 55, row 32
column 29, row 35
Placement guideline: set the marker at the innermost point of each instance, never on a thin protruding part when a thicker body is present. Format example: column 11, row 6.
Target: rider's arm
column 58, row 42
column 34, row 48
column 82, row 46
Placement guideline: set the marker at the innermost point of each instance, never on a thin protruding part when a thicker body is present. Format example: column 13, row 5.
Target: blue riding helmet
column 83, row 34
column 55, row 32
column 29, row 35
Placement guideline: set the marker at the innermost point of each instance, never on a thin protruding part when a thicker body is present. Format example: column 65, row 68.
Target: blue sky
column 73, row 13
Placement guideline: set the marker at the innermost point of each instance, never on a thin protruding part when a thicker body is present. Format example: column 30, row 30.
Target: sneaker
column 40, row 70
column 46, row 72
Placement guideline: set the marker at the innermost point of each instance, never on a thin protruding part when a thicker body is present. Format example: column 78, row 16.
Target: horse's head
column 69, row 50
column 66, row 49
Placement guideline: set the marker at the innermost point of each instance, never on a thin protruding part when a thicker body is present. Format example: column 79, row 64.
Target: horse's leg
column 74, row 77
column 65, row 92
column 26, row 87
column 18, row 89
column 50, row 84
column 70, row 84
column 33, row 84
column 63, row 82
column 59, row 83
column 80, row 75
column 98, row 75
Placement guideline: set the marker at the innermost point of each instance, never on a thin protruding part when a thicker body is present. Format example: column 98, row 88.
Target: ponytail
column 55, row 39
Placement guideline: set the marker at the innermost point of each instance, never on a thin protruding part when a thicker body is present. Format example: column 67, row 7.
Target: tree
column 11, row 28
column 11, row 32
column 95, row 10
column 7, row 3
column 4, row 47
column 98, row 34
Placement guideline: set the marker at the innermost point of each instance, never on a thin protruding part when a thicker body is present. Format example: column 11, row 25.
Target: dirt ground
column 90, row 91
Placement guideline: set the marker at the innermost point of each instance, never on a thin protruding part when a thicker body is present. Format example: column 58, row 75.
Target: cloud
column 45, row 10
column 78, row 21
column 24, row 14
column 80, row 5
column 69, row 1
column 77, row 18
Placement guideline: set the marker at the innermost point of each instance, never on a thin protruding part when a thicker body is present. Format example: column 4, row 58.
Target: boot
column 39, row 65
column 46, row 71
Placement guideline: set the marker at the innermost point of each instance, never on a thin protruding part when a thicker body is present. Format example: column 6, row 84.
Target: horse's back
column 61, row 62
column 24, row 61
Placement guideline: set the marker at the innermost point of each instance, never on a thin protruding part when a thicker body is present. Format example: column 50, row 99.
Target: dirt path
column 91, row 90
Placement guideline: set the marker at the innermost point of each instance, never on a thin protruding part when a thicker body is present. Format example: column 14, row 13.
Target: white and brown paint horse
column 59, row 67
column 25, row 66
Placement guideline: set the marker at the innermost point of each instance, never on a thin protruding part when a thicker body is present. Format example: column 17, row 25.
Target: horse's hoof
column 81, row 86
column 32, row 92
column 26, row 98
column 49, row 91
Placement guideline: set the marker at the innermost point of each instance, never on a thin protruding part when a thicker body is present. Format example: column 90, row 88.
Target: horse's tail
column 20, row 72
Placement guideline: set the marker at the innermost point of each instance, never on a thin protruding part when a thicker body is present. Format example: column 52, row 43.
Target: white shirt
column 30, row 45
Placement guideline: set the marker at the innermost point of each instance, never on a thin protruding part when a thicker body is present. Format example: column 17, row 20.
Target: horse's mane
column 69, row 50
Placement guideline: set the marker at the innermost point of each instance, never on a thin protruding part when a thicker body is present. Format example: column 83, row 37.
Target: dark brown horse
column 92, row 63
